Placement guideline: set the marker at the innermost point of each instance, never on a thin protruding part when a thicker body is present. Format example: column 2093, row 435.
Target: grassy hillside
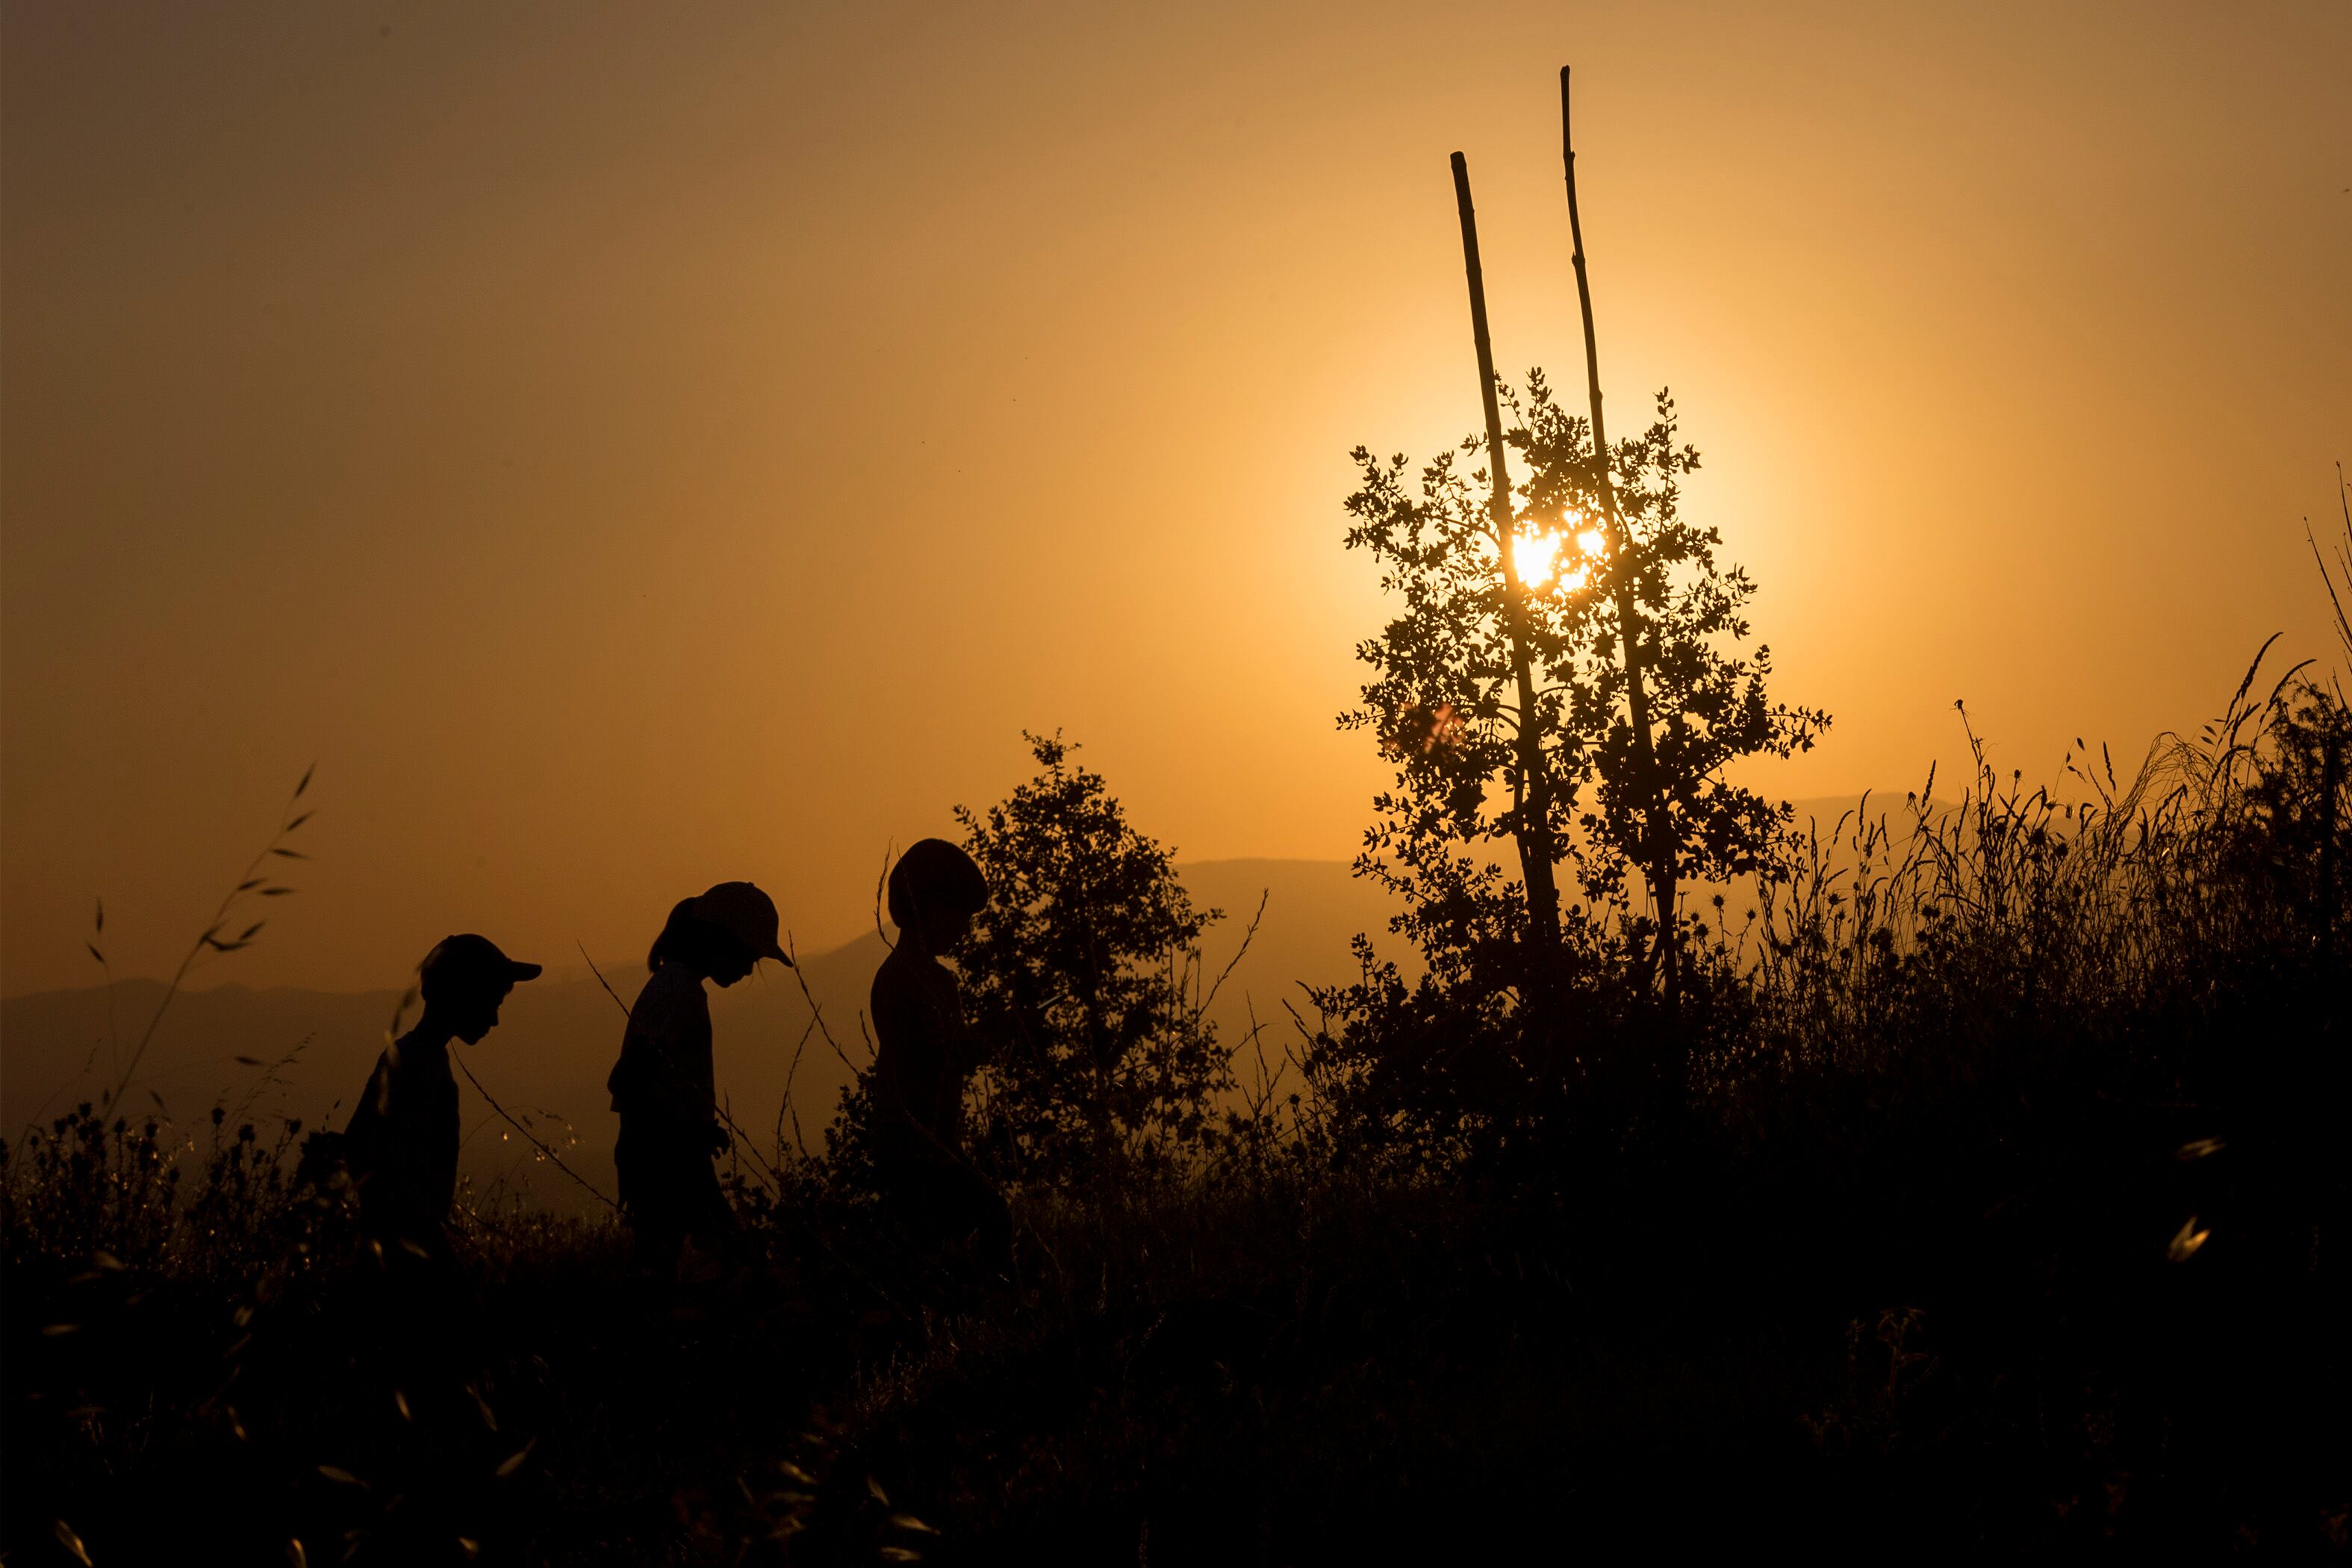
column 1992, row 1207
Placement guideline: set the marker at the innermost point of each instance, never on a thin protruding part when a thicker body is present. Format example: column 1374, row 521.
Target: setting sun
column 1537, row 556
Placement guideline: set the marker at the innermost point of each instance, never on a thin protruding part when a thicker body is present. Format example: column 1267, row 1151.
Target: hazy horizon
column 627, row 451
column 572, row 967
column 1230, row 886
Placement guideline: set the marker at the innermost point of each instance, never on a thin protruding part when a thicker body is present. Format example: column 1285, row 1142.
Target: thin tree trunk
column 1657, row 850
column 1532, row 828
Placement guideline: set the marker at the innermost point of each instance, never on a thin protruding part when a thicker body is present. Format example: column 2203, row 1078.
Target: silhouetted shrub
column 1083, row 976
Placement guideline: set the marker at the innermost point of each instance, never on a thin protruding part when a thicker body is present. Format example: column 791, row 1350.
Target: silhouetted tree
column 1444, row 709
column 1486, row 1045
column 1082, row 975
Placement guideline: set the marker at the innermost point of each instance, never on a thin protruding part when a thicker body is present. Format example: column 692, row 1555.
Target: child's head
column 464, row 979
column 935, row 889
column 721, row 935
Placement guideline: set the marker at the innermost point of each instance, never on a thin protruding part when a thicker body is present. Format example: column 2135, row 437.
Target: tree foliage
column 1614, row 583
column 1083, row 977
column 1442, row 704
column 1708, row 703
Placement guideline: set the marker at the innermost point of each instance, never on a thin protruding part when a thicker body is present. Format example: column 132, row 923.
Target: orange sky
column 629, row 447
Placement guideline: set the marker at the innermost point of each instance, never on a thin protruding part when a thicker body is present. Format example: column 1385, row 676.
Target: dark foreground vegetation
column 1968, row 1180
column 1983, row 1192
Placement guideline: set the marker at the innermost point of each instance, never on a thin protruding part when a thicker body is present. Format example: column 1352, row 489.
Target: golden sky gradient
column 629, row 447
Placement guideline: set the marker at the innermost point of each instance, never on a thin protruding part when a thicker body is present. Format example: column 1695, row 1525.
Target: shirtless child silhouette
column 924, row 1055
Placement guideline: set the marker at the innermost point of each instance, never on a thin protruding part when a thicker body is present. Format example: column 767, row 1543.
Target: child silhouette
column 401, row 1146
column 924, row 1054
column 662, row 1085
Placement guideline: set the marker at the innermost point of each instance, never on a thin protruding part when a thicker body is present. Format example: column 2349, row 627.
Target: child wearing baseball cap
column 400, row 1147
column 662, row 1086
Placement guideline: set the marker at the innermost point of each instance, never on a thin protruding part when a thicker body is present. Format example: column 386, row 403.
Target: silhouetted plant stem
column 1532, row 789
column 816, row 1012
column 2335, row 597
column 1658, row 865
column 529, row 1136
column 212, row 938
column 2332, row 767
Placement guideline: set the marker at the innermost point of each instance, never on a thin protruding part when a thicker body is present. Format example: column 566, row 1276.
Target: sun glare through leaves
column 1560, row 560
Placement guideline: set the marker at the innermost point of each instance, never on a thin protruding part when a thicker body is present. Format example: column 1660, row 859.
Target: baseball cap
column 745, row 913
column 467, row 962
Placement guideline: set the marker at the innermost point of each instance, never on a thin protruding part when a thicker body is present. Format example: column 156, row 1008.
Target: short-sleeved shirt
column 923, row 1054
column 664, row 1079
column 402, row 1143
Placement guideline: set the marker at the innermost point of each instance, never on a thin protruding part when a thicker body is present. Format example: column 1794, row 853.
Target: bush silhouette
column 1083, row 976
